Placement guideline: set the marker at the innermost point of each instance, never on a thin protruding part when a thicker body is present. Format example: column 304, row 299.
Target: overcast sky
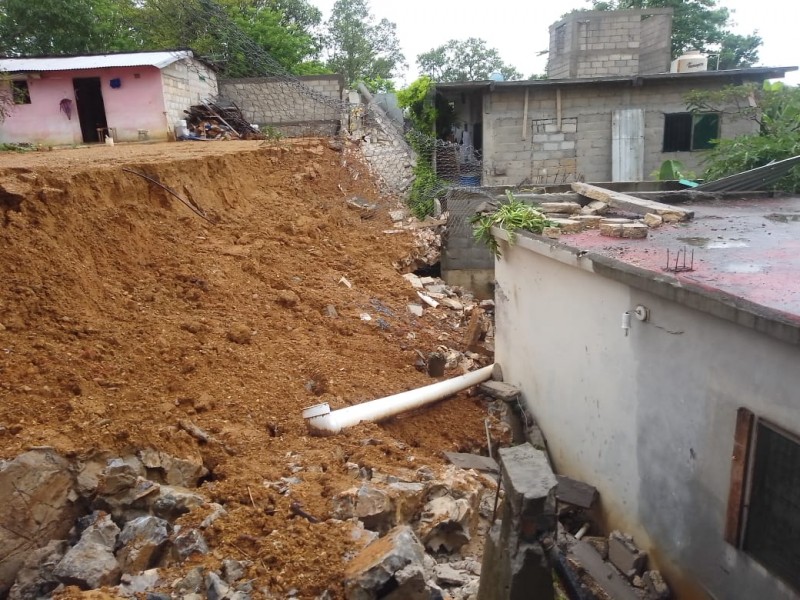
column 518, row 28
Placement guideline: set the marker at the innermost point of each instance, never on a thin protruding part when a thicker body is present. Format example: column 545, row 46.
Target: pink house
column 81, row 99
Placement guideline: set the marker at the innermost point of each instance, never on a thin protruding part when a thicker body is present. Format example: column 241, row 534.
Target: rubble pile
column 211, row 120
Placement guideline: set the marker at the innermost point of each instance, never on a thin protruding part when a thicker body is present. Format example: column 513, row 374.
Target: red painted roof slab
column 744, row 248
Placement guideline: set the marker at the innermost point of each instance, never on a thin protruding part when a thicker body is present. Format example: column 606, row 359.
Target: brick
column 624, row 555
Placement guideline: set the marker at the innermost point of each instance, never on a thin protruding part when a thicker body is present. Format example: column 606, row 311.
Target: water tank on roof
column 690, row 62
column 496, row 76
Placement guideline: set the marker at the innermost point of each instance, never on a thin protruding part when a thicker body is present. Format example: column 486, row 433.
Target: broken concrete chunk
column 635, row 231
column 624, row 554
column 142, row 540
column 234, row 570
column 216, row 588
column 374, row 508
column 551, row 232
column 414, row 280
column 444, row 524
column 567, row 225
column 500, row 391
column 630, row 203
column 378, row 566
column 603, row 574
column 330, row 311
column 131, row 585
column 450, row 577
column 451, row 304
column 120, row 475
column 588, row 221
column 575, row 492
column 473, row 461
column 656, row 587
column 569, row 208
column 90, row 563
column 653, row 221
column 595, row 207
column 415, row 309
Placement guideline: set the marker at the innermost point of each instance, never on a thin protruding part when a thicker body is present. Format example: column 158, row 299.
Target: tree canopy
column 699, row 25
column 360, row 48
column 464, row 60
column 775, row 107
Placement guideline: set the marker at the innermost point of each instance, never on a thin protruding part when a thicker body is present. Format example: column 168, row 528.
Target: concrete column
column 514, row 563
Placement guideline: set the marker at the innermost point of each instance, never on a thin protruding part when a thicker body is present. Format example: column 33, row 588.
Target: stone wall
column 607, row 43
column 309, row 105
column 186, row 82
column 384, row 145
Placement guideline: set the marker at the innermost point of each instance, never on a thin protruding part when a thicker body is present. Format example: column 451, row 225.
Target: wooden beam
column 558, row 108
column 525, row 115
column 743, row 434
column 632, row 204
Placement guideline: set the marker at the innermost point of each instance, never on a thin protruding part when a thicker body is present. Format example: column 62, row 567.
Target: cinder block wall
column 607, row 43
column 576, row 144
column 186, row 82
column 298, row 107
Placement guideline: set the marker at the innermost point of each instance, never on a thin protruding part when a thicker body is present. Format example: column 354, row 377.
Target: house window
column 686, row 131
column 767, row 518
column 20, row 91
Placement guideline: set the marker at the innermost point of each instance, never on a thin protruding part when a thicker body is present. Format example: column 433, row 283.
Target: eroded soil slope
column 123, row 313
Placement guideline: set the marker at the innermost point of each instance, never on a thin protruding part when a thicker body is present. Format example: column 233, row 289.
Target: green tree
column 361, row 49
column 464, row 60
column 699, row 25
column 228, row 33
column 775, row 107
column 65, row 26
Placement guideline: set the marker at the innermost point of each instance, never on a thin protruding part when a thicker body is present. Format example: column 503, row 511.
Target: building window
column 561, row 38
column 764, row 520
column 20, row 91
column 686, row 131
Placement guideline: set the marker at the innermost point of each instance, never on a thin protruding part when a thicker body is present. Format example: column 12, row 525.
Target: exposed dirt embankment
column 123, row 313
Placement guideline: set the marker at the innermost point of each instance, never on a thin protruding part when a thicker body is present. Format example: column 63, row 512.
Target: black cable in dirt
column 190, row 205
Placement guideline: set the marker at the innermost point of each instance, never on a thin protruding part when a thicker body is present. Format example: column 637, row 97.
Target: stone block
column 567, row 225
column 560, row 207
column 656, row 587
column 500, row 391
column 624, row 554
column 653, row 221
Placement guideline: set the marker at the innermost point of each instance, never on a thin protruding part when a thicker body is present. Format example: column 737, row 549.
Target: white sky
column 518, row 28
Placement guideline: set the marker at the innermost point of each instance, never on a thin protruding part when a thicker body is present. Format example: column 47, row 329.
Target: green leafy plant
column 513, row 216
column 775, row 108
column 672, row 170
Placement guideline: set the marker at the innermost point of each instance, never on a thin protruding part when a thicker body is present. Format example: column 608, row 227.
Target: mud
column 122, row 313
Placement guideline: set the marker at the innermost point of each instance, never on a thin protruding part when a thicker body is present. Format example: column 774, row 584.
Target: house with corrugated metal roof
column 82, row 99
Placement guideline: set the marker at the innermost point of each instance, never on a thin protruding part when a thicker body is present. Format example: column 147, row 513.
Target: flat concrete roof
column 725, row 76
column 746, row 260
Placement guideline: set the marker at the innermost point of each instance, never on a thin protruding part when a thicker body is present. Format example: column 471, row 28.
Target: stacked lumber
column 210, row 120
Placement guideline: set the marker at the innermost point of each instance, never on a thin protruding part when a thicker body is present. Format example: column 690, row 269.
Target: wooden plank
column 558, row 108
column 473, row 461
column 575, row 492
column 632, row 204
column 742, row 437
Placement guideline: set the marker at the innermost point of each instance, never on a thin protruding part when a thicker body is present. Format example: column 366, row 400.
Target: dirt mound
column 123, row 314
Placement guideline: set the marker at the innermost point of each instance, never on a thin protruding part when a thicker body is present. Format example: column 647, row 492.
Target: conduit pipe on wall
column 322, row 421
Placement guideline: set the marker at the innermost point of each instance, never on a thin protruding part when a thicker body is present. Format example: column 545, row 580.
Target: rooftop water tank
column 690, row 62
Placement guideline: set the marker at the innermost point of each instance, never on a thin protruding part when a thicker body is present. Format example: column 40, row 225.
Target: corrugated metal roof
column 754, row 180
column 97, row 61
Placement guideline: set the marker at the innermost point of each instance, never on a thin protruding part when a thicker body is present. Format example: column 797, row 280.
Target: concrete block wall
column 307, row 105
column 186, row 82
column 607, row 43
column 581, row 147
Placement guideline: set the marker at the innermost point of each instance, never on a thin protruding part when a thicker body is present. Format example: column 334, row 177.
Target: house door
column 627, row 145
column 91, row 109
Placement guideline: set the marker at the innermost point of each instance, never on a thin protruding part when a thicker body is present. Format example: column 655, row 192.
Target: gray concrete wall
column 546, row 153
column 310, row 105
column 649, row 418
column 604, row 43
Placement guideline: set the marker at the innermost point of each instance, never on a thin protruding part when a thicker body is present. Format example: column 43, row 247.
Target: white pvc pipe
column 322, row 421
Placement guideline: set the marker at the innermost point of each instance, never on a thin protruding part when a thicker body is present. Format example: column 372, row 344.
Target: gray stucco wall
column 305, row 106
column 649, row 418
column 581, row 146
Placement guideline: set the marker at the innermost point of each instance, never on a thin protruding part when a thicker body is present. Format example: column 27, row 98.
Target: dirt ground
column 122, row 313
